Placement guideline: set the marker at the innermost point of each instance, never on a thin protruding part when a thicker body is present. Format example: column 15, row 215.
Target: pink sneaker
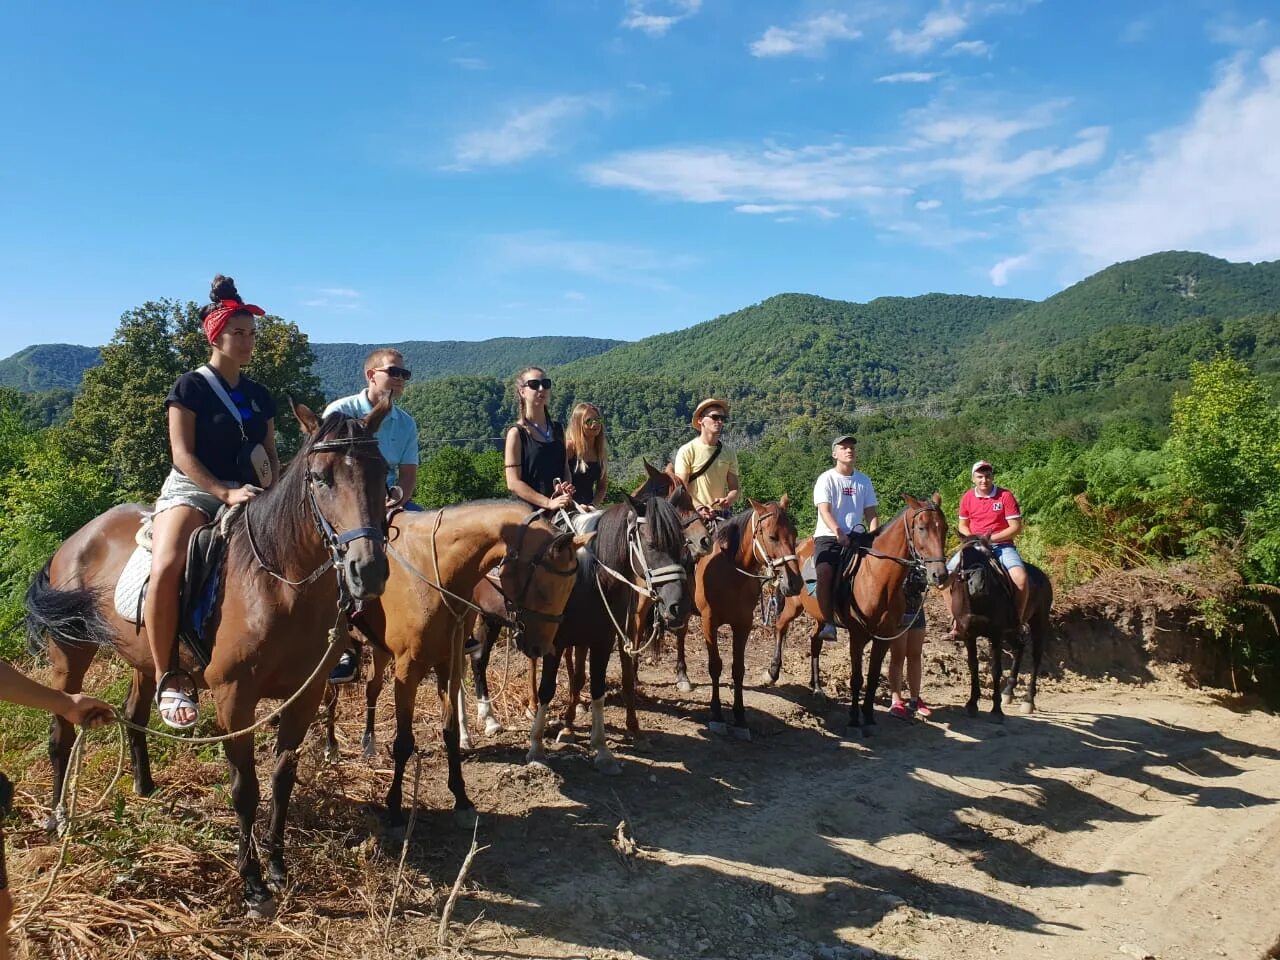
column 899, row 710
column 920, row 708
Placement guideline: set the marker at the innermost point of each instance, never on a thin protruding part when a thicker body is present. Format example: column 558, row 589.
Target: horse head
column 773, row 535
column 345, row 484
column 661, row 545
column 926, row 529
column 667, row 483
column 536, row 577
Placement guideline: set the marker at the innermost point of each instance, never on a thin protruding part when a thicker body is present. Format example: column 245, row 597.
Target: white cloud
column 334, row 298
column 469, row 63
column 640, row 15
column 938, row 26
column 976, row 48
column 1231, row 32
column 525, row 133
column 1208, row 184
column 928, row 204
column 575, row 295
column 910, row 76
column 612, row 262
column 809, row 37
column 1000, row 272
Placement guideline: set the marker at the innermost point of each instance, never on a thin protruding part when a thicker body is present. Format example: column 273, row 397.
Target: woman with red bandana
column 223, row 440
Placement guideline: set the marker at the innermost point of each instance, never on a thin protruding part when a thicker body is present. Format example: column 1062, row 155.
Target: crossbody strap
column 215, row 383
column 706, row 466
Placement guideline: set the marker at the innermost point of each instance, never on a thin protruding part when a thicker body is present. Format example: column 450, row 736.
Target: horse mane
column 610, row 545
column 729, row 536
column 280, row 516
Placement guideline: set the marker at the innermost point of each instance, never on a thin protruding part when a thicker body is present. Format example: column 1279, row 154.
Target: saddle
column 978, row 563
column 201, row 581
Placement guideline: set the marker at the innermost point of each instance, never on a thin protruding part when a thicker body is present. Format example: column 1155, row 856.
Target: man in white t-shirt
column 846, row 502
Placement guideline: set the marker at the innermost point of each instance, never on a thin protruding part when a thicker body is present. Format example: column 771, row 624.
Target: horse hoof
column 567, row 736
column 369, row 750
column 332, row 756
column 264, row 909
column 277, row 875
column 740, row 733
column 718, row 727
column 467, row 818
column 1007, row 697
column 538, row 759
column 770, row 677
column 971, row 709
column 996, row 717
column 1027, row 708
column 854, row 732
column 607, row 765
column 492, row 727
column 684, row 686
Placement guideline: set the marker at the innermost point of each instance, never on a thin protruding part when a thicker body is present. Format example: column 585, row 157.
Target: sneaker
column 899, row 710
column 919, row 707
column 345, row 671
column 828, row 632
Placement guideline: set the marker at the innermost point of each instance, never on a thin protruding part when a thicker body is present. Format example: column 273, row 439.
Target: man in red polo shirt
column 991, row 511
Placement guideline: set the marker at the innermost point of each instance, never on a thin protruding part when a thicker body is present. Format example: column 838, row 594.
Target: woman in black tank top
column 585, row 445
column 536, row 466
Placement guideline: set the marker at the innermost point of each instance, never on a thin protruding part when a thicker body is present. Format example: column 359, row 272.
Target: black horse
column 984, row 604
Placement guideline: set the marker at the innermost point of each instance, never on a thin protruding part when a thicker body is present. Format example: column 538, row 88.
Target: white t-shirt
column 849, row 497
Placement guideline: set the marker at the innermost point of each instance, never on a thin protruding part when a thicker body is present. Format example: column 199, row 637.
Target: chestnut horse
column 983, row 604
column 661, row 483
column 268, row 631
column 438, row 557
column 726, row 588
column 874, row 609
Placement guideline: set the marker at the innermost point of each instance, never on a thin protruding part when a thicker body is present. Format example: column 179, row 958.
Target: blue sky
column 614, row 168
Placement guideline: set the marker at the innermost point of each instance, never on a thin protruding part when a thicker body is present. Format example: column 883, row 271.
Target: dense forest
column 1134, row 414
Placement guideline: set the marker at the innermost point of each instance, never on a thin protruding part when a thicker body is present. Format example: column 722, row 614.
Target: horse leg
column 235, row 713
column 997, row 668
column 406, row 691
column 480, row 676
column 682, row 673
column 779, row 638
column 575, row 662
column 137, row 709
column 372, row 689
column 878, row 649
column 971, row 647
column 1039, row 627
column 710, row 630
column 546, row 693
column 330, row 706
column 741, row 632
column 629, row 669
column 855, row 682
column 815, row 661
column 1017, row 646
column 449, row 689
column 293, row 727
column 69, row 667
column 604, row 760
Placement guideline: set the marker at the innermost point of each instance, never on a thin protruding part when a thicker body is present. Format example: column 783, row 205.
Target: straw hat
column 702, row 407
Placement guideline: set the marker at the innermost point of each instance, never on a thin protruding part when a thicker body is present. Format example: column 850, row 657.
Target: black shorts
column 827, row 550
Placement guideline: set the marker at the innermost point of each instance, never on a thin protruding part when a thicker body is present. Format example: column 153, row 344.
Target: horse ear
column 937, row 499
column 785, row 501
column 653, row 472
column 379, row 413
column 756, row 505
column 582, row 539
column 909, row 499
column 306, row 419
column 636, row 505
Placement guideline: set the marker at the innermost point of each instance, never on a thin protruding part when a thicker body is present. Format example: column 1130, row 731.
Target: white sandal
column 170, row 700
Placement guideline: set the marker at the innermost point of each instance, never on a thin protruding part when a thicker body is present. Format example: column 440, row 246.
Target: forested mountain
column 47, row 366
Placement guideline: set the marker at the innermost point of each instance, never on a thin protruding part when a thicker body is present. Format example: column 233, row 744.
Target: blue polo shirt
column 397, row 436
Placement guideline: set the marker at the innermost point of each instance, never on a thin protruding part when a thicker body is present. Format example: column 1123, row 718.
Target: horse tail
column 67, row 617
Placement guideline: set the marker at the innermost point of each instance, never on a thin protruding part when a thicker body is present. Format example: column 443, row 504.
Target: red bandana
column 217, row 318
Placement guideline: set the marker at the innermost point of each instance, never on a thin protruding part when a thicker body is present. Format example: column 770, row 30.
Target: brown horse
column 726, row 589
column 983, row 604
column 660, row 483
column 438, row 558
column 873, row 610
column 268, row 631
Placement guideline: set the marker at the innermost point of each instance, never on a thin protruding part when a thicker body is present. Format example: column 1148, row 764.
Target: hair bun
column 224, row 288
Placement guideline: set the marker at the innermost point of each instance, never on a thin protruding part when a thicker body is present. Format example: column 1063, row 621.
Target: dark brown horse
column 269, row 629
column 873, row 610
column 660, row 483
column 438, row 558
column 983, row 605
column 757, row 546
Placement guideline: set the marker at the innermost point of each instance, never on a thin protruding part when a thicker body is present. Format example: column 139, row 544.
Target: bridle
column 771, row 564
column 653, row 578
column 335, row 543
column 915, row 560
column 517, row 607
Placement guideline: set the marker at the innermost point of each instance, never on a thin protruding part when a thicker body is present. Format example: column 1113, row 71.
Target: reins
column 653, row 578
column 758, row 552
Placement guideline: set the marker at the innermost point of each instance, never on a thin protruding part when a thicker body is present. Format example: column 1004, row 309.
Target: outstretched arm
column 75, row 707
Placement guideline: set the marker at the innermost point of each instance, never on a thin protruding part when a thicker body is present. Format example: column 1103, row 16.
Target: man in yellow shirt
column 706, row 465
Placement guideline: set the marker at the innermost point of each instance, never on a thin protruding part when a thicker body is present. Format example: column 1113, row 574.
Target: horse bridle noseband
column 653, row 576
column 336, row 543
column 517, row 606
column 771, row 564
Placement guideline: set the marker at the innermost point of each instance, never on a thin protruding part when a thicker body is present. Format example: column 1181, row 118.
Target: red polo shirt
column 987, row 515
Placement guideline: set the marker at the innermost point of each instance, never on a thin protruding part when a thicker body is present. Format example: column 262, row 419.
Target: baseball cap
column 843, row 438
column 982, row 465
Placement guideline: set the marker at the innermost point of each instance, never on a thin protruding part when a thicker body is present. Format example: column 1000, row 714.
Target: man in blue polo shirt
column 385, row 376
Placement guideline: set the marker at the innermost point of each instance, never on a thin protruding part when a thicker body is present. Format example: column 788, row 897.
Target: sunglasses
column 592, row 421
column 717, row 417
column 543, row 384
column 397, row 373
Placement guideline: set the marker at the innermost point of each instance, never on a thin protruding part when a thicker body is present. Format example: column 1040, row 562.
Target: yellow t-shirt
column 715, row 482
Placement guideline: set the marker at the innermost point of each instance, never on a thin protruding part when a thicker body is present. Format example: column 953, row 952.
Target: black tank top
column 584, row 482
column 542, row 460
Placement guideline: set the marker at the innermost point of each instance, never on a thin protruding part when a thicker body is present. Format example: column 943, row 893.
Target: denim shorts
column 1006, row 553
column 179, row 490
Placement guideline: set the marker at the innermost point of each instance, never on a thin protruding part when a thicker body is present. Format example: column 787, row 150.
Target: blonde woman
column 536, row 465
column 588, row 456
